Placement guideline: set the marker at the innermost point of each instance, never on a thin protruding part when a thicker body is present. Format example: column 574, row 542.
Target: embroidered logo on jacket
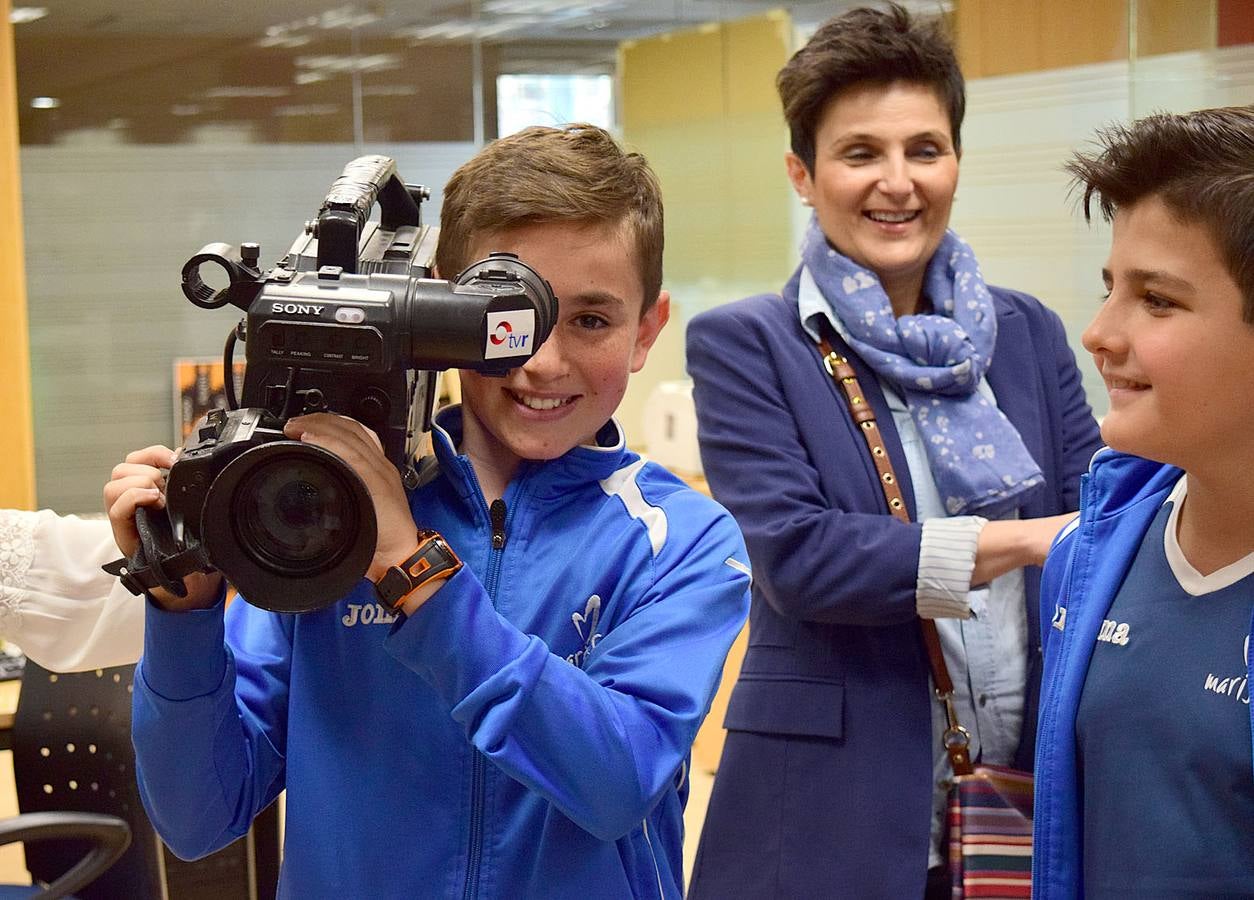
column 366, row 614
column 1235, row 686
column 1114, row 632
column 586, row 623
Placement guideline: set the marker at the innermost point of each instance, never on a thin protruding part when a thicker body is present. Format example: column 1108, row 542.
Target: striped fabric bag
column 990, row 834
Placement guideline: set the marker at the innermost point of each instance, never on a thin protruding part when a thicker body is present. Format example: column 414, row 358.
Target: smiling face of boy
column 572, row 386
column 1171, row 345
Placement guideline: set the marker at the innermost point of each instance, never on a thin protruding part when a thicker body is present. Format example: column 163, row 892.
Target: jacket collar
column 1119, row 481
column 546, row 479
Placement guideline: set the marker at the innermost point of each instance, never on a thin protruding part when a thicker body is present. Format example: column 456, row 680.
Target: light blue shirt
column 983, row 630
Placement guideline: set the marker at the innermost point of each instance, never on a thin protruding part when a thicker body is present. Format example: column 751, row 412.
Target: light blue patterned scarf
column 936, row 362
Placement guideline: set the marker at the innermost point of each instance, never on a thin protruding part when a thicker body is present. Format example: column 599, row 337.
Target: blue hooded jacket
column 524, row 734
column 1119, row 498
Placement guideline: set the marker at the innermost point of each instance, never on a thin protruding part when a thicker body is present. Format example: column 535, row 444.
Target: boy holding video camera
column 507, row 709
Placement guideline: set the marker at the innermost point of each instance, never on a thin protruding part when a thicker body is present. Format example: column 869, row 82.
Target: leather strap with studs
column 860, row 408
column 956, row 738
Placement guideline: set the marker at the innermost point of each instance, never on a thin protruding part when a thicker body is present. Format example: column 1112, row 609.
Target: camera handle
column 157, row 563
column 348, row 204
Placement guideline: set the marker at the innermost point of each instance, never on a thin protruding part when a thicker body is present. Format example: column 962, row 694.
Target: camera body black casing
column 354, row 310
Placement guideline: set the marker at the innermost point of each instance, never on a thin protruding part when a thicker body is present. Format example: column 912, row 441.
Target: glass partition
column 150, row 129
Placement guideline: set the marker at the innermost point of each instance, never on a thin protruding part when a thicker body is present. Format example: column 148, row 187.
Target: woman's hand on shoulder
column 1009, row 544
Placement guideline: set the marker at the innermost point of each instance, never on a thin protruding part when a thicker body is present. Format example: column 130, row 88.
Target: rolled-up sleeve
column 946, row 561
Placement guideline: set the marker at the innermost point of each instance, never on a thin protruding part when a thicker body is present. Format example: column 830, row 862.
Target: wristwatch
column 433, row 560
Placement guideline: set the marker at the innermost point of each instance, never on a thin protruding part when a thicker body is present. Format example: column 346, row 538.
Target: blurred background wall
column 17, row 463
column 139, row 131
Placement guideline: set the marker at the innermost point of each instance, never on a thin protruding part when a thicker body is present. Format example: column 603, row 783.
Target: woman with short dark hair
column 833, row 777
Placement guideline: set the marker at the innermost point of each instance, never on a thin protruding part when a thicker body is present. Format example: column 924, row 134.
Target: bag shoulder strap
column 956, row 739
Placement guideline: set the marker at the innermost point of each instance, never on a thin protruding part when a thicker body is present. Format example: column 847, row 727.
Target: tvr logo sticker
column 510, row 333
column 502, row 334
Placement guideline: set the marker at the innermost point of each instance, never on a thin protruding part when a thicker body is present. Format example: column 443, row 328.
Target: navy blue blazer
column 830, row 742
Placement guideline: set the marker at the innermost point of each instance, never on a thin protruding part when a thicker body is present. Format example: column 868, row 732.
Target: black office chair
column 72, row 751
column 107, row 838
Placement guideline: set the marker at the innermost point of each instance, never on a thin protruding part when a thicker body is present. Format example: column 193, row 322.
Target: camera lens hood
column 290, row 525
column 502, row 272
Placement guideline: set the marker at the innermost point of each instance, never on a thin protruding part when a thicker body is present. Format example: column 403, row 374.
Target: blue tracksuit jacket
column 524, row 734
column 1119, row 498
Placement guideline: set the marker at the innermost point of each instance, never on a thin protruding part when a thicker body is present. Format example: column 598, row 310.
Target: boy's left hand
column 361, row 449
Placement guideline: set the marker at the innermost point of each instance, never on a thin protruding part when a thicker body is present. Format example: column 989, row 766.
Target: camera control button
column 350, row 315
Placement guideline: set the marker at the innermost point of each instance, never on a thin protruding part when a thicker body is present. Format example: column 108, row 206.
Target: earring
column 805, row 201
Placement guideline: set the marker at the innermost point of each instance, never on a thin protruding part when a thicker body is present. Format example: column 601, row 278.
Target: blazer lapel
column 1013, row 379
column 874, row 394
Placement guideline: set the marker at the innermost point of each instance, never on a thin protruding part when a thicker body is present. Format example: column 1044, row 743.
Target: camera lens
column 290, row 525
column 295, row 514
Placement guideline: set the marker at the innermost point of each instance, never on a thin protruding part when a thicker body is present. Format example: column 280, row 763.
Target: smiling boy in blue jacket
column 522, row 727
column 1145, row 765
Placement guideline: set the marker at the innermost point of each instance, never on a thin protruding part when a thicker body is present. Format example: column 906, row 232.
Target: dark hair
column 865, row 45
column 1200, row 164
column 576, row 173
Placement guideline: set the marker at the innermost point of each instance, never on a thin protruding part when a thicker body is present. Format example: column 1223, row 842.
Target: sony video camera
column 349, row 322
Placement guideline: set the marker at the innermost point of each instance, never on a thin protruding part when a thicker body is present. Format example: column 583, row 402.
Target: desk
column 9, row 692
column 12, row 859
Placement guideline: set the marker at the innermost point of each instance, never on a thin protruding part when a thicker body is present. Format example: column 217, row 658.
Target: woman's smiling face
column 885, row 172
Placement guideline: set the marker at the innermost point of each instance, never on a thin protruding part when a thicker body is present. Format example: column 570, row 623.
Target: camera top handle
column 341, row 220
column 348, row 204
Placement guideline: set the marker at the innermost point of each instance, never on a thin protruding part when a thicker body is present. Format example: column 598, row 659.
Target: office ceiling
column 419, row 20
column 169, row 71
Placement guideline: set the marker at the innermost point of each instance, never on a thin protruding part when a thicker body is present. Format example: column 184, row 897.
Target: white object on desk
column 670, row 427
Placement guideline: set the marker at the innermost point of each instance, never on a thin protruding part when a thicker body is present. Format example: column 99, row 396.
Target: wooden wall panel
column 1169, row 26
column 1005, row 37
column 1236, row 22
column 17, row 467
column 1081, row 32
column 701, row 105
